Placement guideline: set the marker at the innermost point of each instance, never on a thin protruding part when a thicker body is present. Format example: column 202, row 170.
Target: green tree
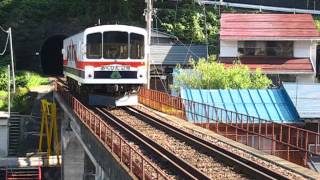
column 186, row 20
column 213, row 75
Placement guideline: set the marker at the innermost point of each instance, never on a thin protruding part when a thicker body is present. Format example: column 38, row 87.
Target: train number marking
column 116, row 68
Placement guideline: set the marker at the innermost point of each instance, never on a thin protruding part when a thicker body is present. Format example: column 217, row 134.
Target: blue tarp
column 268, row 104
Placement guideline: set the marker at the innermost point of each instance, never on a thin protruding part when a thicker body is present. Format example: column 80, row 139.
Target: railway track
column 190, row 156
column 175, row 168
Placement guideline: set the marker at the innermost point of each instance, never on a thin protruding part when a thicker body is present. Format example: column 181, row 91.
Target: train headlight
column 142, row 74
column 89, row 72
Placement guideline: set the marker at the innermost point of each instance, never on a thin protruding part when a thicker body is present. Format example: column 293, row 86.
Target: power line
column 5, row 47
column 2, row 29
column 188, row 48
column 9, row 38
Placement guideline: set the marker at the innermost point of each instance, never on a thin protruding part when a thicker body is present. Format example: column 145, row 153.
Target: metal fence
column 126, row 154
column 283, row 140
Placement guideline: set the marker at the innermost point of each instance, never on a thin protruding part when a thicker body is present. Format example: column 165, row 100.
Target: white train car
column 106, row 63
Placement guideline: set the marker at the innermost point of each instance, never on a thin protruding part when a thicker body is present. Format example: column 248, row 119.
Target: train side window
column 115, row 45
column 94, row 46
column 136, row 46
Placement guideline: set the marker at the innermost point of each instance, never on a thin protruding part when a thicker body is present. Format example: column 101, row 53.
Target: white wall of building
column 305, row 78
column 306, row 49
column 301, row 49
column 228, row 48
column 313, row 54
column 4, row 132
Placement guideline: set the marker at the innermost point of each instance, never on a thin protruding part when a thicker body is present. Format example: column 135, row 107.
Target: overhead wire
column 185, row 45
column 163, row 85
column 175, row 17
column 5, row 47
column 7, row 41
column 2, row 29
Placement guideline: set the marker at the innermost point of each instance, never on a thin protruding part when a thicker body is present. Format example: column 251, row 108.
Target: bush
column 30, row 79
column 3, row 100
column 21, row 100
column 23, row 79
column 3, row 78
column 213, row 75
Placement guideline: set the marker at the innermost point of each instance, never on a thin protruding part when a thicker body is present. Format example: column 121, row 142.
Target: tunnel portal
column 51, row 56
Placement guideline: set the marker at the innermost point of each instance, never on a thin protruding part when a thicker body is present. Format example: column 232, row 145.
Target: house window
column 266, row 48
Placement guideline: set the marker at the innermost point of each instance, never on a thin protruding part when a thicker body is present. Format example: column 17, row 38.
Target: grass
column 30, row 79
column 23, row 99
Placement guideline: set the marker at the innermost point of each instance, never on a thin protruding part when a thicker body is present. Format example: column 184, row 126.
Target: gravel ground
column 153, row 159
column 238, row 151
column 205, row 163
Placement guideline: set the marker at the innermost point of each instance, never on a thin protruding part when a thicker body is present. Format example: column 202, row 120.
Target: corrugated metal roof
column 267, row 26
column 268, row 104
column 274, row 64
column 305, row 97
column 156, row 33
column 176, row 54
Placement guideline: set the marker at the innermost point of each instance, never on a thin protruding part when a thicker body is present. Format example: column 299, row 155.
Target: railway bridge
column 141, row 143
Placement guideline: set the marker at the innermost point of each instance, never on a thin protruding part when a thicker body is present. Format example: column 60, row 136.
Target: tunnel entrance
column 51, row 56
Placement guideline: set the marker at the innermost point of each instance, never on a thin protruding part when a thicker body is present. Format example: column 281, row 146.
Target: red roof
column 267, row 27
column 274, row 65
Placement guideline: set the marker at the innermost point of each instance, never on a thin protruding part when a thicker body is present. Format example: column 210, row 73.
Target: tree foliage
column 317, row 22
column 191, row 23
column 213, row 75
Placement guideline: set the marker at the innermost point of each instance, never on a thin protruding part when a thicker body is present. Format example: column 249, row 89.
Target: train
column 106, row 64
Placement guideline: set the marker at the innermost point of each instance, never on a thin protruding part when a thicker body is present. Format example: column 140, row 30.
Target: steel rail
column 245, row 166
column 108, row 137
column 181, row 166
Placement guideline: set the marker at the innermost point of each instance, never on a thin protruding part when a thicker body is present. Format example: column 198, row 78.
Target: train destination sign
column 116, row 68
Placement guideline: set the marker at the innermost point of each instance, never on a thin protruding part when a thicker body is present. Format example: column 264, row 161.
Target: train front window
column 136, row 46
column 94, row 46
column 115, row 45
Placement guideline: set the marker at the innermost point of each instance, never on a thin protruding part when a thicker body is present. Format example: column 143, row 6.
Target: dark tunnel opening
column 51, row 56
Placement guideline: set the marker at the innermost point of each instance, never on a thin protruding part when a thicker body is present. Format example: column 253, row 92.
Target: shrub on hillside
column 213, row 75
column 23, row 79
column 22, row 99
column 3, row 78
column 30, row 79
column 3, row 100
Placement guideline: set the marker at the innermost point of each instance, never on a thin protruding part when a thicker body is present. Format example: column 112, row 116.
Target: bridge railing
column 261, row 134
column 134, row 162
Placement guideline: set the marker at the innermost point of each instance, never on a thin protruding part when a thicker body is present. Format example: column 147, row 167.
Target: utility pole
column 12, row 62
column 148, row 16
column 9, row 92
column 206, row 31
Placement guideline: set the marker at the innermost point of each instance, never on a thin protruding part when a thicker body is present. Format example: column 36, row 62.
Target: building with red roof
column 284, row 46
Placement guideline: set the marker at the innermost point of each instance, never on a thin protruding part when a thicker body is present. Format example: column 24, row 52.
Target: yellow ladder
column 49, row 115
